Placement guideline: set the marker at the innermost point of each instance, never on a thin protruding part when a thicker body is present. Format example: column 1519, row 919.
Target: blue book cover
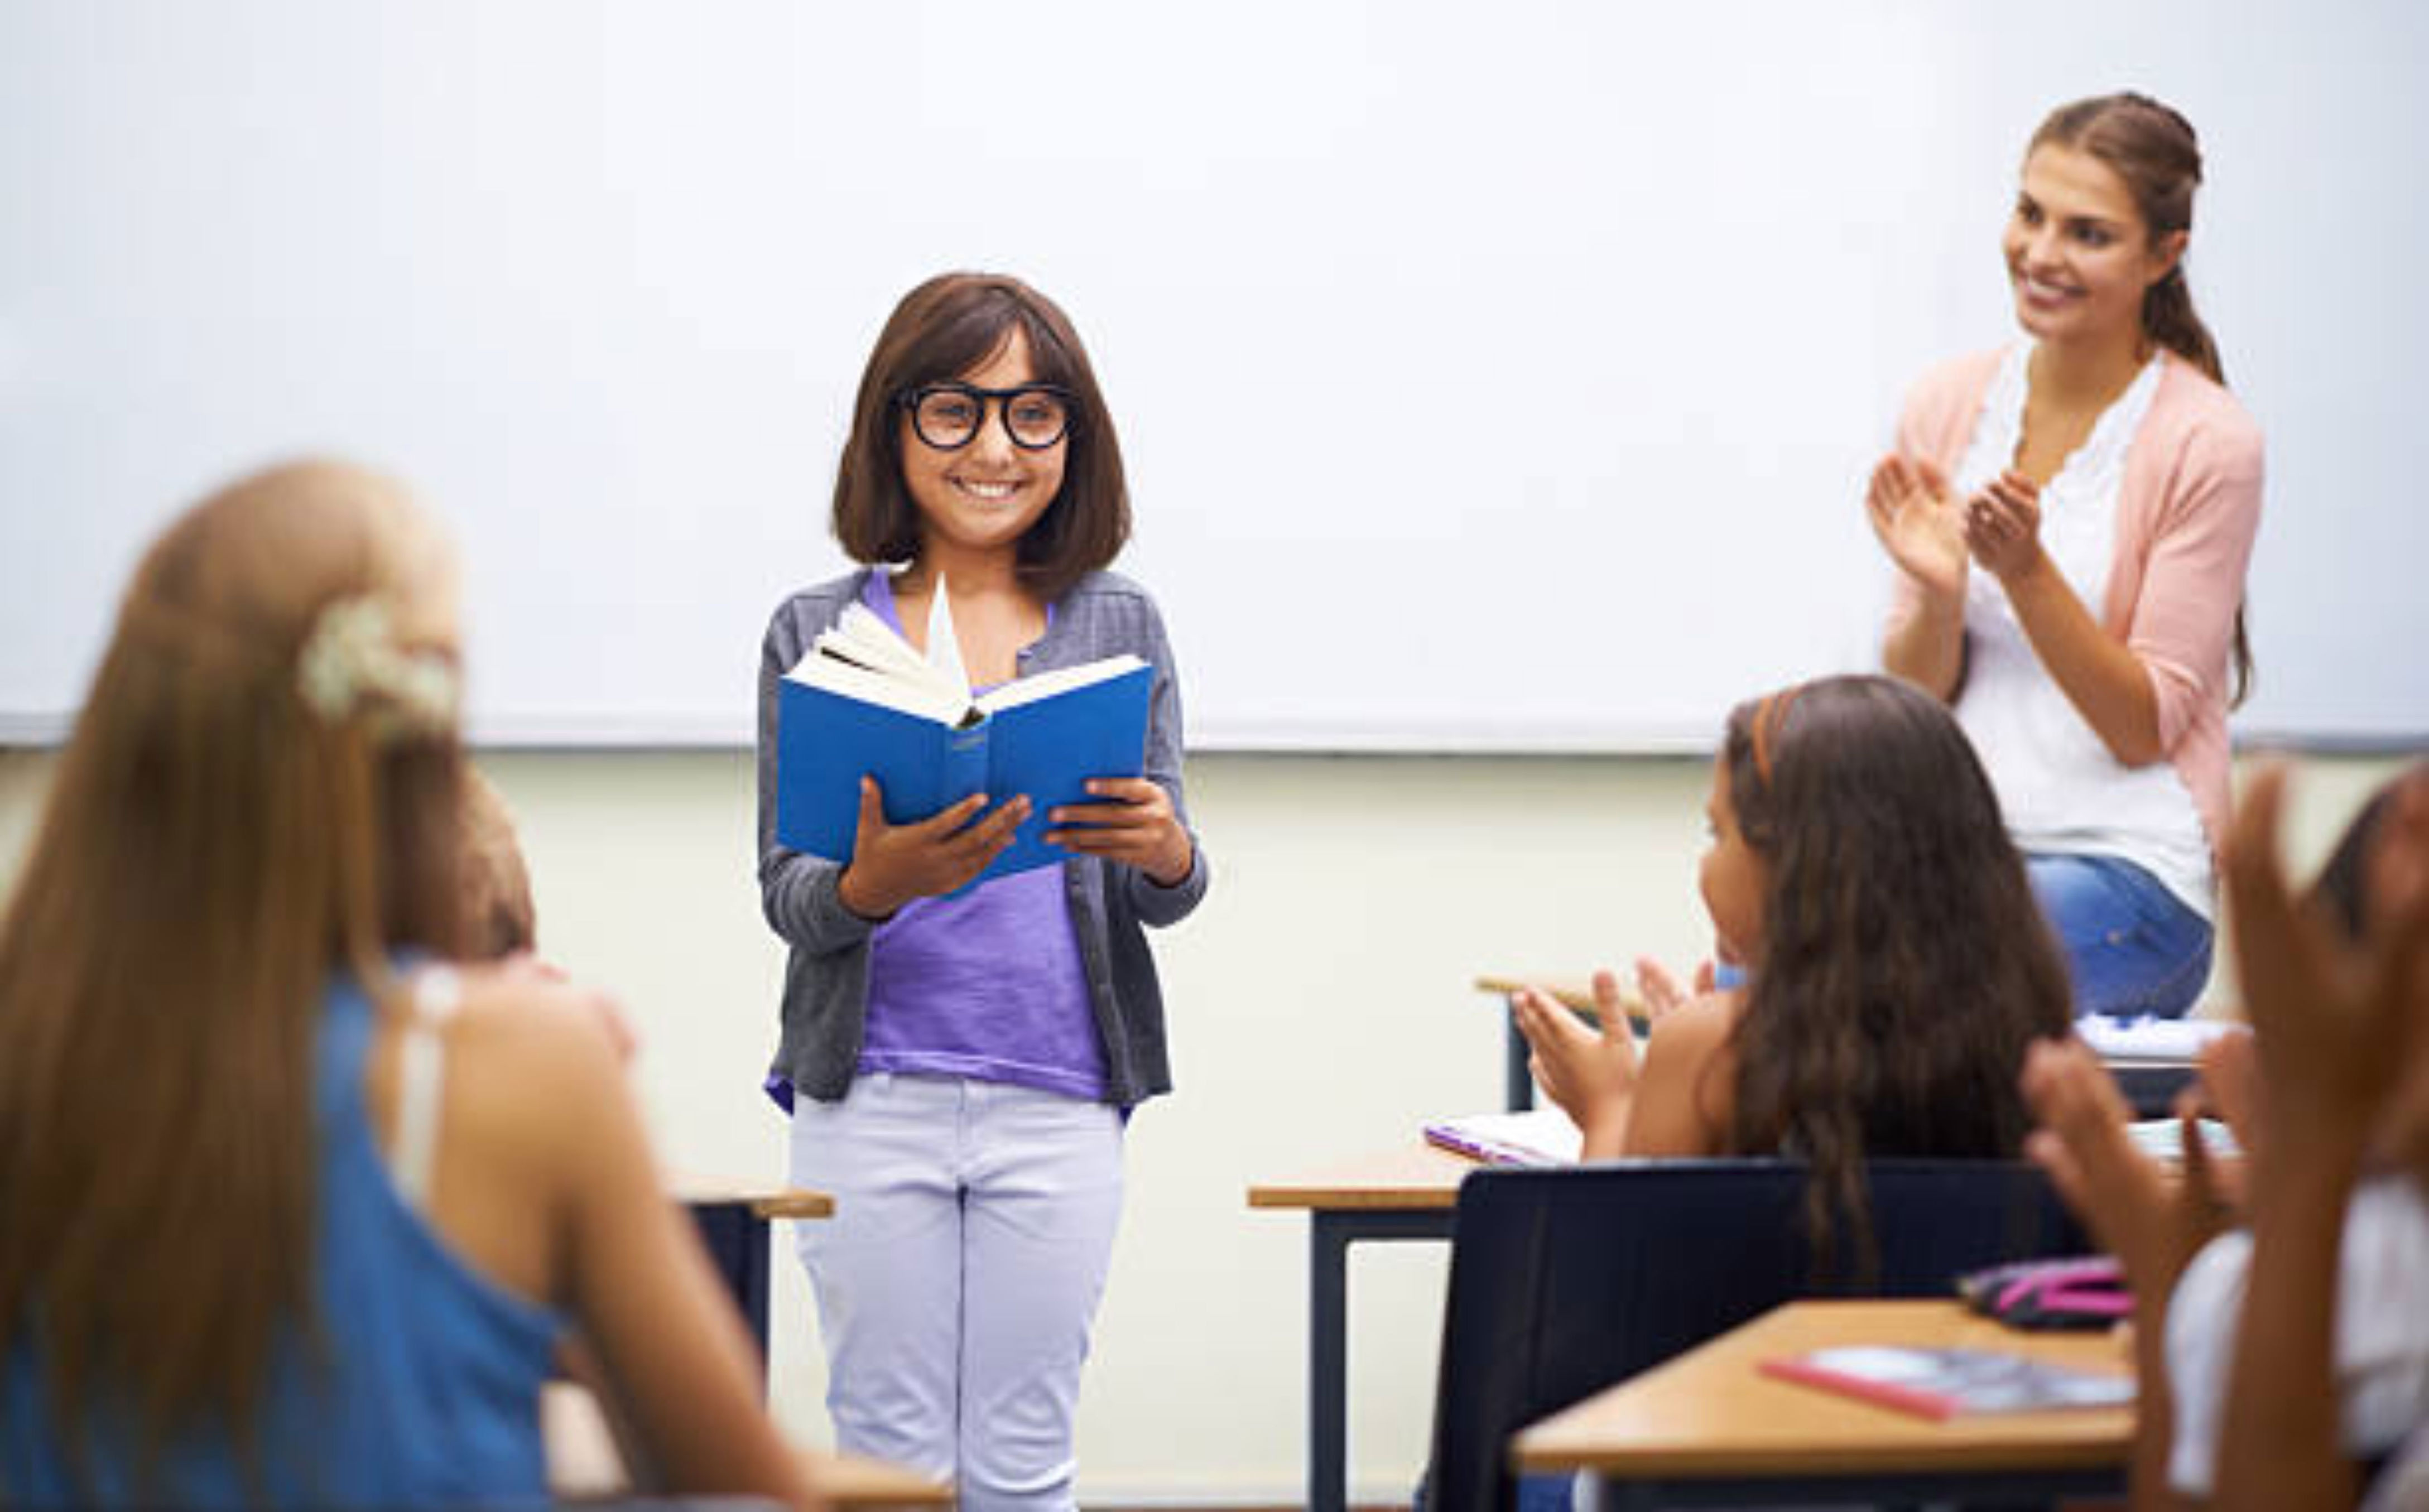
column 842, row 713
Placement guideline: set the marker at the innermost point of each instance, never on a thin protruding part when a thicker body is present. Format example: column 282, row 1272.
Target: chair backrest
column 1567, row 1281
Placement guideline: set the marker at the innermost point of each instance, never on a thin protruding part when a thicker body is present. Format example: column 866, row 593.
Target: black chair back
column 1565, row 1281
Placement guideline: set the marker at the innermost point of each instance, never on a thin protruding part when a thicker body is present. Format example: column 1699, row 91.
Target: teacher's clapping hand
column 1919, row 523
column 2003, row 526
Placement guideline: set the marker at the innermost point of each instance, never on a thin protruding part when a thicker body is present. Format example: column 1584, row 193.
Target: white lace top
column 2058, row 787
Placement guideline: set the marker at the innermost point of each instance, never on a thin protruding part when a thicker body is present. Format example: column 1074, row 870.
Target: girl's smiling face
column 985, row 495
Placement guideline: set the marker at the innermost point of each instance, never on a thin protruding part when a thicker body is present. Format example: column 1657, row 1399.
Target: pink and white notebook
column 1947, row 1382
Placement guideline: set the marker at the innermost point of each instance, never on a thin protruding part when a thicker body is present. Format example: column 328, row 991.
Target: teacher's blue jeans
column 2131, row 947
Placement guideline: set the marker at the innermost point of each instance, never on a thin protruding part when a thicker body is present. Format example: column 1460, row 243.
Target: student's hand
column 891, row 864
column 2333, row 1017
column 2002, row 527
column 2229, row 1079
column 1916, row 517
column 1590, row 1072
column 1130, row 822
column 2152, row 1226
column 1660, row 991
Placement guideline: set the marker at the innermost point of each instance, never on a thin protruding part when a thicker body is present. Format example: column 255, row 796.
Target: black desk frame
column 737, row 1240
column 1331, row 1231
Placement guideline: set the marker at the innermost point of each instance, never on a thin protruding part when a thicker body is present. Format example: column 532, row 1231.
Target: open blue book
column 863, row 700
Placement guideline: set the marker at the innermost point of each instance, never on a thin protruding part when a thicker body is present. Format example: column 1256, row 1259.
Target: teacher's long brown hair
column 2154, row 150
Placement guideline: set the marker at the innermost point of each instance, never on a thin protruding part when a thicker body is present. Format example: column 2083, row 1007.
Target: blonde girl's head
column 1905, row 965
column 262, row 789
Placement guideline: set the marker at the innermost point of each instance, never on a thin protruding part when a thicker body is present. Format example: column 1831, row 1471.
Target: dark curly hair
column 1904, row 963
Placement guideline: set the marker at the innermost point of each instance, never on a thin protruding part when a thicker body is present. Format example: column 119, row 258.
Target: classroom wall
column 1320, row 1009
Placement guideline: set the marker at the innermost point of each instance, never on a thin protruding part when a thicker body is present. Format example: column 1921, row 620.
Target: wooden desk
column 733, row 1217
column 1411, row 1192
column 1708, row 1429
column 585, row 1463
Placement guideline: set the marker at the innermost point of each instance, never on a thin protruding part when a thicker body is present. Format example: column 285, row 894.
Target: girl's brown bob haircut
column 942, row 330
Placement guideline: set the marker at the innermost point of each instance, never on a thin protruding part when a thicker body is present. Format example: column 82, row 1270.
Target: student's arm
column 2331, row 1020
column 2280, row 1443
column 2152, row 1226
column 547, row 1120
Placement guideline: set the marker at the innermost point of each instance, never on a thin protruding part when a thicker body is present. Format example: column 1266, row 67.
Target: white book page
column 855, row 681
column 862, row 641
column 1047, row 685
column 944, row 645
column 861, row 636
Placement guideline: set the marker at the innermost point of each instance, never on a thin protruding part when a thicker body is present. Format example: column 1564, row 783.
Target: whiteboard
column 1492, row 376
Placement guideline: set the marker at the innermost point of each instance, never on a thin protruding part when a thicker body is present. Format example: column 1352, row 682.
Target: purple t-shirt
column 987, row 984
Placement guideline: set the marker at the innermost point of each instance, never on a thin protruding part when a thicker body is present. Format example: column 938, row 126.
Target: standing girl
column 1896, row 966
column 2070, row 519
column 963, row 1060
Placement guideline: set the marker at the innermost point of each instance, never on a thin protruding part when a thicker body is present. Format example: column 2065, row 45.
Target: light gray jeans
column 959, row 1274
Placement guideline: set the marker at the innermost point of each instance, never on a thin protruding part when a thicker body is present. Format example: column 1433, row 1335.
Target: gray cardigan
column 825, row 1004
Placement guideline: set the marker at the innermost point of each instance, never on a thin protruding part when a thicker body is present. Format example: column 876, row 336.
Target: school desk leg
column 1518, row 1080
column 1330, row 1234
column 738, row 1243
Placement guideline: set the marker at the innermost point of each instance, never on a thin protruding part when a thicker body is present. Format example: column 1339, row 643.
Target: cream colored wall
column 1319, row 1009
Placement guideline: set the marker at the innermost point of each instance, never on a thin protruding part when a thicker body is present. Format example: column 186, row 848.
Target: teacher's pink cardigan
column 2187, row 513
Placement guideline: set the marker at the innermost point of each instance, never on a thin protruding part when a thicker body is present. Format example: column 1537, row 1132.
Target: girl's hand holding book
column 1133, row 823
column 892, row 863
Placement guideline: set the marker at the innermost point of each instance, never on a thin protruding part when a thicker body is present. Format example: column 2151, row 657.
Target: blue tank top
column 427, row 1391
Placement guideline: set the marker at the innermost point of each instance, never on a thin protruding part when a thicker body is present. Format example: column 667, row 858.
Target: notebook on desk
column 1536, row 1136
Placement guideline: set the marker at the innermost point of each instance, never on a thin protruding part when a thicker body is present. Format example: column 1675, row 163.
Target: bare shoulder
column 523, row 1040
column 1691, row 1060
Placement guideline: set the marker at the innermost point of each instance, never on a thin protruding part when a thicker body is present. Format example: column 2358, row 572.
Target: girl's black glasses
column 948, row 416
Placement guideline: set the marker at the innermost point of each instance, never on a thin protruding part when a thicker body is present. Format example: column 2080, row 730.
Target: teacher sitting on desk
column 2071, row 518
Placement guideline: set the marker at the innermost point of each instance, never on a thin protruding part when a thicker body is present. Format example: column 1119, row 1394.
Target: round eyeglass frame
column 1002, row 399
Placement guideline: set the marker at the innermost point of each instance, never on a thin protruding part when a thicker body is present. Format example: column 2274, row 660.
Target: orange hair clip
column 1768, row 721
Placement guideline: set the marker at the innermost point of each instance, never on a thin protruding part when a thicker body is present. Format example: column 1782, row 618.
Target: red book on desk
column 1940, row 1384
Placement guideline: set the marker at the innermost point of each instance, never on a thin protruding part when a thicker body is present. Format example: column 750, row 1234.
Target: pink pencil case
column 2084, row 1291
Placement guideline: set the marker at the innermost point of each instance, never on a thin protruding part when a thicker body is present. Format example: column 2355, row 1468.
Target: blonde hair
column 217, row 842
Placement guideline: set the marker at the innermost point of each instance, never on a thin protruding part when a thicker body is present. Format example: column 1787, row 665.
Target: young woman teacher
column 2071, row 518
